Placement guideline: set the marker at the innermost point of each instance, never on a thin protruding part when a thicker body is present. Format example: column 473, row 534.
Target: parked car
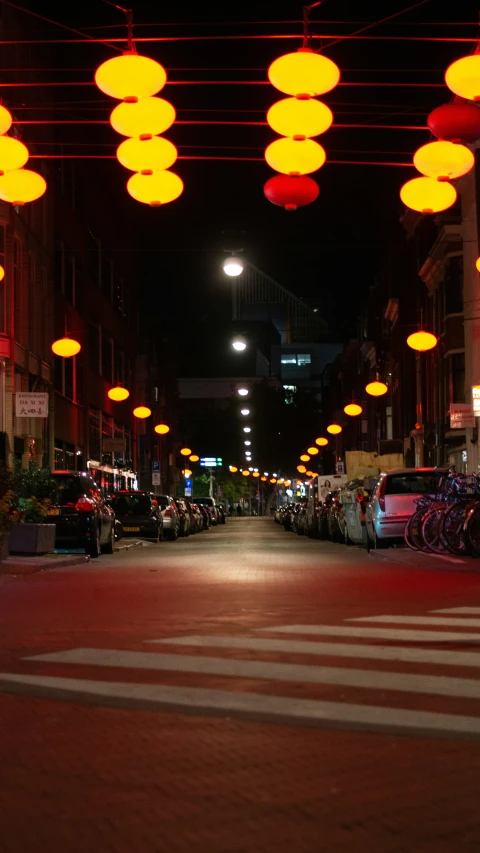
column 184, row 517
column 393, row 502
column 333, row 516
column 196, row 517
column 139, row 514
column 210, row 504
column 203, row 510
column 312, row 519
column 288, row 516
column 81, row 514
column 171, row 521
column 220, row 514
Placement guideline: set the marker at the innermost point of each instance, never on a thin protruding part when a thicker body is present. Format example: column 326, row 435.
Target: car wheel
column 92, row 546
column 108, row 548
column 174, row 534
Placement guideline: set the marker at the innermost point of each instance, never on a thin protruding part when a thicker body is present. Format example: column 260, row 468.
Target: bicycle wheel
column 431, row 530
column 415, row 528
column 471, row 531
column 451, row 529
column 407, row 536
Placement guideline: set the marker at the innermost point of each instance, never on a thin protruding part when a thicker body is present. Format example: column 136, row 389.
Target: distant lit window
column 289, row 359
column 290, row 391
column 304, row 358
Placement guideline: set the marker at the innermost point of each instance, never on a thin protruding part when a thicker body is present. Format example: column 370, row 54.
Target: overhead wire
column 376, row 23
column 55, row 23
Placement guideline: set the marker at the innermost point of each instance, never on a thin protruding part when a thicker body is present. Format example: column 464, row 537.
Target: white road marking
column 344, row 650
column 419, row 620
column 466, row 688
column 222, row 702
column 457, row 610
column 376, row 633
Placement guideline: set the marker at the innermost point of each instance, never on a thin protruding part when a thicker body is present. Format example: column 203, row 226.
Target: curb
column 13, row 566
column 136, row 544
column 430, row 562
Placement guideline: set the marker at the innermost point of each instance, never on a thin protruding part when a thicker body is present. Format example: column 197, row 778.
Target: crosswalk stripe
column 249, row 705
column 376, row 633
column 345, row 650
column 439, row 686
column 419, row 620
column 457, row 610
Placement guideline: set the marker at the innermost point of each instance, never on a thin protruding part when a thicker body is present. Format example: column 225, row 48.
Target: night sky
column 330, row 251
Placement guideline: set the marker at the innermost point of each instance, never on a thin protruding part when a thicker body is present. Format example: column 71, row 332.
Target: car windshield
column 132, row 504
column 71, row 488
column 414, row 483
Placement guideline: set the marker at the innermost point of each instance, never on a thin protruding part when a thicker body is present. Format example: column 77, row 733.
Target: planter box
column 32, row 539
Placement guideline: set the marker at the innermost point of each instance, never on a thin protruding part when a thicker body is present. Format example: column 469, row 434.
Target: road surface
column 245, row 690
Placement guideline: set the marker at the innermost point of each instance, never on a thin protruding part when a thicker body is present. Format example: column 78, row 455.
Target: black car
column 81, row 514
column 139, row 514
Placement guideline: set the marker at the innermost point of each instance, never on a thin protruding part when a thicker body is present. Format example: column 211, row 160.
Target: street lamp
column 242, row 392
column 247, row 429
column 244, row 411
column 233, row 266
column 247, row 443
column 239, row 343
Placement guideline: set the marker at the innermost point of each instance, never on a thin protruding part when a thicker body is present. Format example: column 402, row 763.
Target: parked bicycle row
column 448, row 518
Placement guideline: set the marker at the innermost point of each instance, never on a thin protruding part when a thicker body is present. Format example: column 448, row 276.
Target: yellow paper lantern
column 477, row 264
column 185, row 451
column 118, row 394
column 428, row 195
column 353, row 409
column 146, row 155
column 256, row 474
column 322, row 442
column 2, row 273
column 295, row 156
column 246, row 473
column 194, row 458
column 146, row 116
column 162, row 429
column 305, row 457
column 303, row 73
column 21, row 186
column 376, row 389
column 233, row 469
column 13, row 154
column 142, row 412
column 310, row 474
column 313, row 451
column 5, row 120
column 273, row 480
column 463, row 77
column 422, row 341
column 334, row 429
column 443, row 160
column 66, row 347
column 301, row 469
column 264, row 479
column 304, row 117
column 130, row 76
column 186, row 472
column 288, row 483
column 155, row 190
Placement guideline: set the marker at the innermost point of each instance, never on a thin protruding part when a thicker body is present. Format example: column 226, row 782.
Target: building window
column 290, row 391
column 304, row 358
column 454, row 285
column 118, row 364
column 58, row 456
column 107, row 358
column 93, row 249
column 289, row 359
column 457, row 373
column 69, row 278
column 94, row 435
column 94, row 347
column 64, row 376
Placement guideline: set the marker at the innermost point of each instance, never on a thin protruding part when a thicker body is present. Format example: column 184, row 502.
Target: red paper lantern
column 291, row 191
column 457, row 122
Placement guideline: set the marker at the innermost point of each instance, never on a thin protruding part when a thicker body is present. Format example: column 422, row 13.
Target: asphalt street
column 245, row 690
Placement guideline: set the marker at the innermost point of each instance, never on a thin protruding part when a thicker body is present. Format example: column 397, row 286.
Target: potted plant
column 35, row 489
column 10, row 515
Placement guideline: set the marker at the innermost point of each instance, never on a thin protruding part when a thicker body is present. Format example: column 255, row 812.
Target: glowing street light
column 247, row 443
column 239, row 343
column 242, row 392
column 233, row 266
column 247, row 429
column 245, row 411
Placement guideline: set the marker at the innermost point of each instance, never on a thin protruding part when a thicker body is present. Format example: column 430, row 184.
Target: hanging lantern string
column 122, row 40
column 49, row 84
column 57, row 24
column 216, row 158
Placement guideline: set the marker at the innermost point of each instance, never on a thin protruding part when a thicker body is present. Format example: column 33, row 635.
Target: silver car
column 393, row 502
column 171, row 518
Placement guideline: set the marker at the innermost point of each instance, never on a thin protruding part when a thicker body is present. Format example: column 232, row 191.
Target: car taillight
column 85, row 505
column 168, row 513
column 381, row 494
